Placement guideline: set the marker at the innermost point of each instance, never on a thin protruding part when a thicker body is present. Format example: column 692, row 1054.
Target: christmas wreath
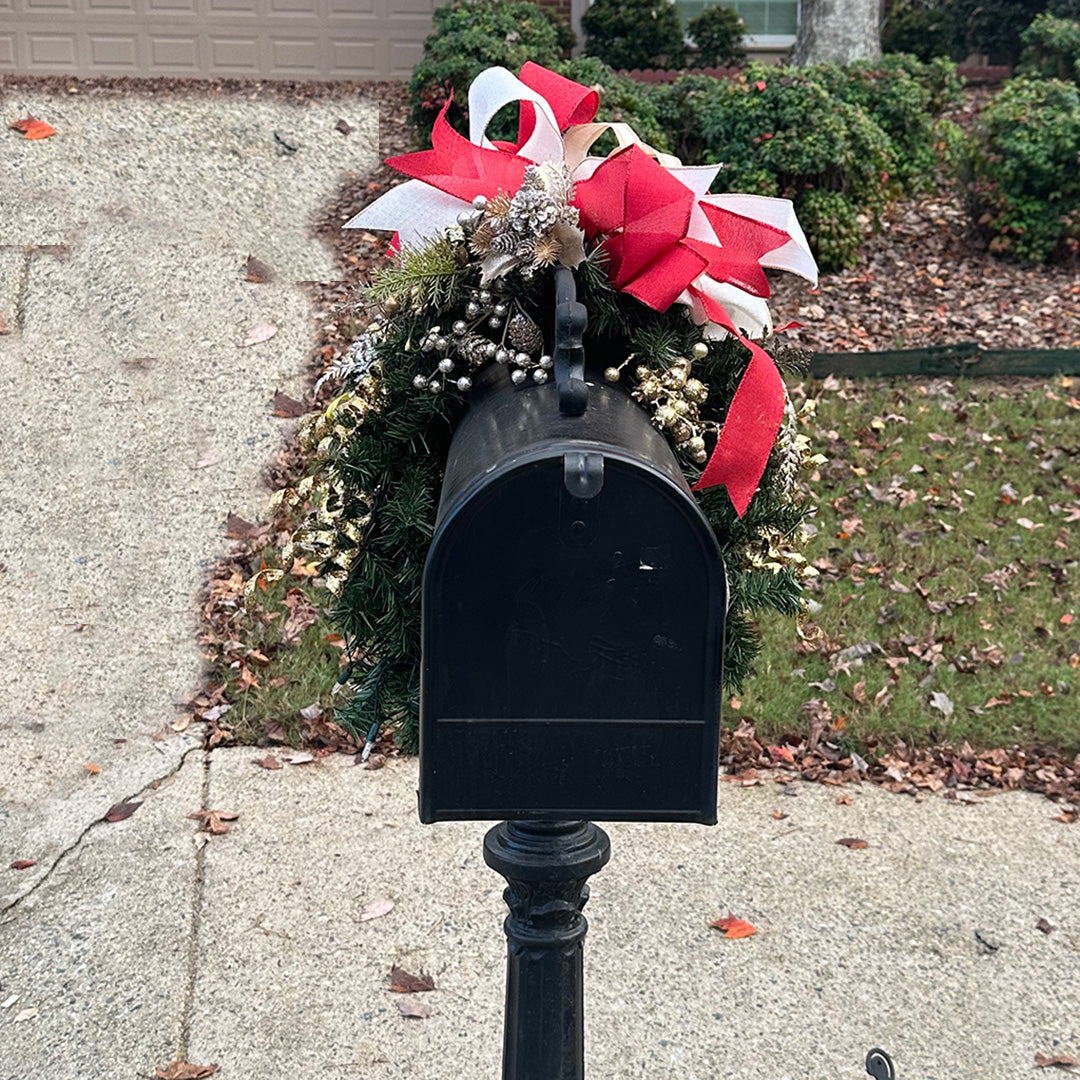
column 674, row 283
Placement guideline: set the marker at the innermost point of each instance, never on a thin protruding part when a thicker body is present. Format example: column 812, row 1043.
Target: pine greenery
column 391, row 465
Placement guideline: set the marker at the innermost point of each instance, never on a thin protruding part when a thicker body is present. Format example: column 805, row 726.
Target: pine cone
column 524, row 334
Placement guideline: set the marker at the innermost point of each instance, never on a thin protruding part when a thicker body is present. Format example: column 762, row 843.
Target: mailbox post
column 573, row 609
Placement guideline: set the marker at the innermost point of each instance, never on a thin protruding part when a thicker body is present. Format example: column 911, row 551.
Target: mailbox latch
column 571, row 320
column 583, row 474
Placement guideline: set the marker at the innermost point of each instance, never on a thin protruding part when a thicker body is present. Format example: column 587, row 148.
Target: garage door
column 277, row 39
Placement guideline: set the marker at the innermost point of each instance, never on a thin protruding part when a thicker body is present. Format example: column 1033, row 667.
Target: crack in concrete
column 187, row 1006
column 11, row 905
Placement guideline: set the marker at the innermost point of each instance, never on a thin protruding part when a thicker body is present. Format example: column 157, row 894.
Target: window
column 765, row 19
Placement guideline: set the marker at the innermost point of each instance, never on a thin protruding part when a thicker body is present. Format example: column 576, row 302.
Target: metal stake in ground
column 546, row 865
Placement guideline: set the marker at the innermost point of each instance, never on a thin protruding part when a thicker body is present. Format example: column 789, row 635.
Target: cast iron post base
column 546, row 865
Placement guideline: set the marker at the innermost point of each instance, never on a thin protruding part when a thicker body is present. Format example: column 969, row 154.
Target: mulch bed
column 923, row 279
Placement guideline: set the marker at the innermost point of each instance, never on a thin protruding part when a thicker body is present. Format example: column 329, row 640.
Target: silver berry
column 446, row 365
column 700, row 351
column 500, row 309
column 434, row 386
column 517, row 376
column 460, row 327
column 485, row 296
column 419, row 382
column 523, row 359
column 546, row 362
column 494, row 322
column 502, row 356
column 464, row 383
column 539, row 376
column 472, row 309
column 480, row 202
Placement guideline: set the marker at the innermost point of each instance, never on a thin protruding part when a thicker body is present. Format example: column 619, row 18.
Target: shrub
column 918, row 28
column 1052, row 48
column 1024, row 165
column 630, row 34
column 717, row 34
column 903, row 95
column 471, row 35
column 991, row 26
column 779, row 131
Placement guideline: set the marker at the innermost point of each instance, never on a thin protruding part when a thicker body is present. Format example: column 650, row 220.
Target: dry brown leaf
column 258, row 271
column 237, row 528
column 5, row 327
column 733, row 928
column 288, row 407
column 1067, row 817
column 182, row 1070
column 403, row 982
column 854, row 843
column 91, row 768
column 1062, row 1061
column 779, row 815
column 300, row 758
column 1044, row 926
column 268, row 762
column 22, row 864
column 121, row 811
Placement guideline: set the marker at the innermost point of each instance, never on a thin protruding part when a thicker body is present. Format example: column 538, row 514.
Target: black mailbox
column 573, row 611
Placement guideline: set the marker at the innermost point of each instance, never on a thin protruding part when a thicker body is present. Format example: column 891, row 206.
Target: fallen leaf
column 1067, row 817
column 942, row 702
column 182, row 1070
column 375, row 909
column 732, row 927
column 32, row 128
column 288, row 407
column 207, row 459
column 22, row 864
column 238, row 528
column 258, row 271
column 300, row 758
column 854, row 843
column 403, row 982
column 268, row 762
column 121, row 811
column 343, row 126
column 779, row 815
column 1062, row 1061
column 844, row 800
column 1044, row 926
column 213, row 821
column 1066, row 619
column 413, row 1010
column 91, row 768
column 5, row 327
column 143, row 363
column 259, row 333
column 26, row 1014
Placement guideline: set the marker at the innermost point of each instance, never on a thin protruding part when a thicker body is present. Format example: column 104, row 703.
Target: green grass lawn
column 947, row 605
column 947, row 541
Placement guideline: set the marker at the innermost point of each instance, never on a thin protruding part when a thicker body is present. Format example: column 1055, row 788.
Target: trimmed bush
column 1024, row 165
column 1052, row 48
column 903, row 96
column 471, row 35
column 627, row 34
column 717, row 34
column 779, row 131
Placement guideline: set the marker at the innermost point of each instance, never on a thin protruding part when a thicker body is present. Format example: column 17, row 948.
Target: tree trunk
column 837, row 32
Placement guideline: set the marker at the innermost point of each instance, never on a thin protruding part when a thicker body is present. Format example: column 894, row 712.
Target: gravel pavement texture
column 133, row 421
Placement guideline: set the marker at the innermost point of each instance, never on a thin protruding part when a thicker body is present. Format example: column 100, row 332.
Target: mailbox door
column 572, row 646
